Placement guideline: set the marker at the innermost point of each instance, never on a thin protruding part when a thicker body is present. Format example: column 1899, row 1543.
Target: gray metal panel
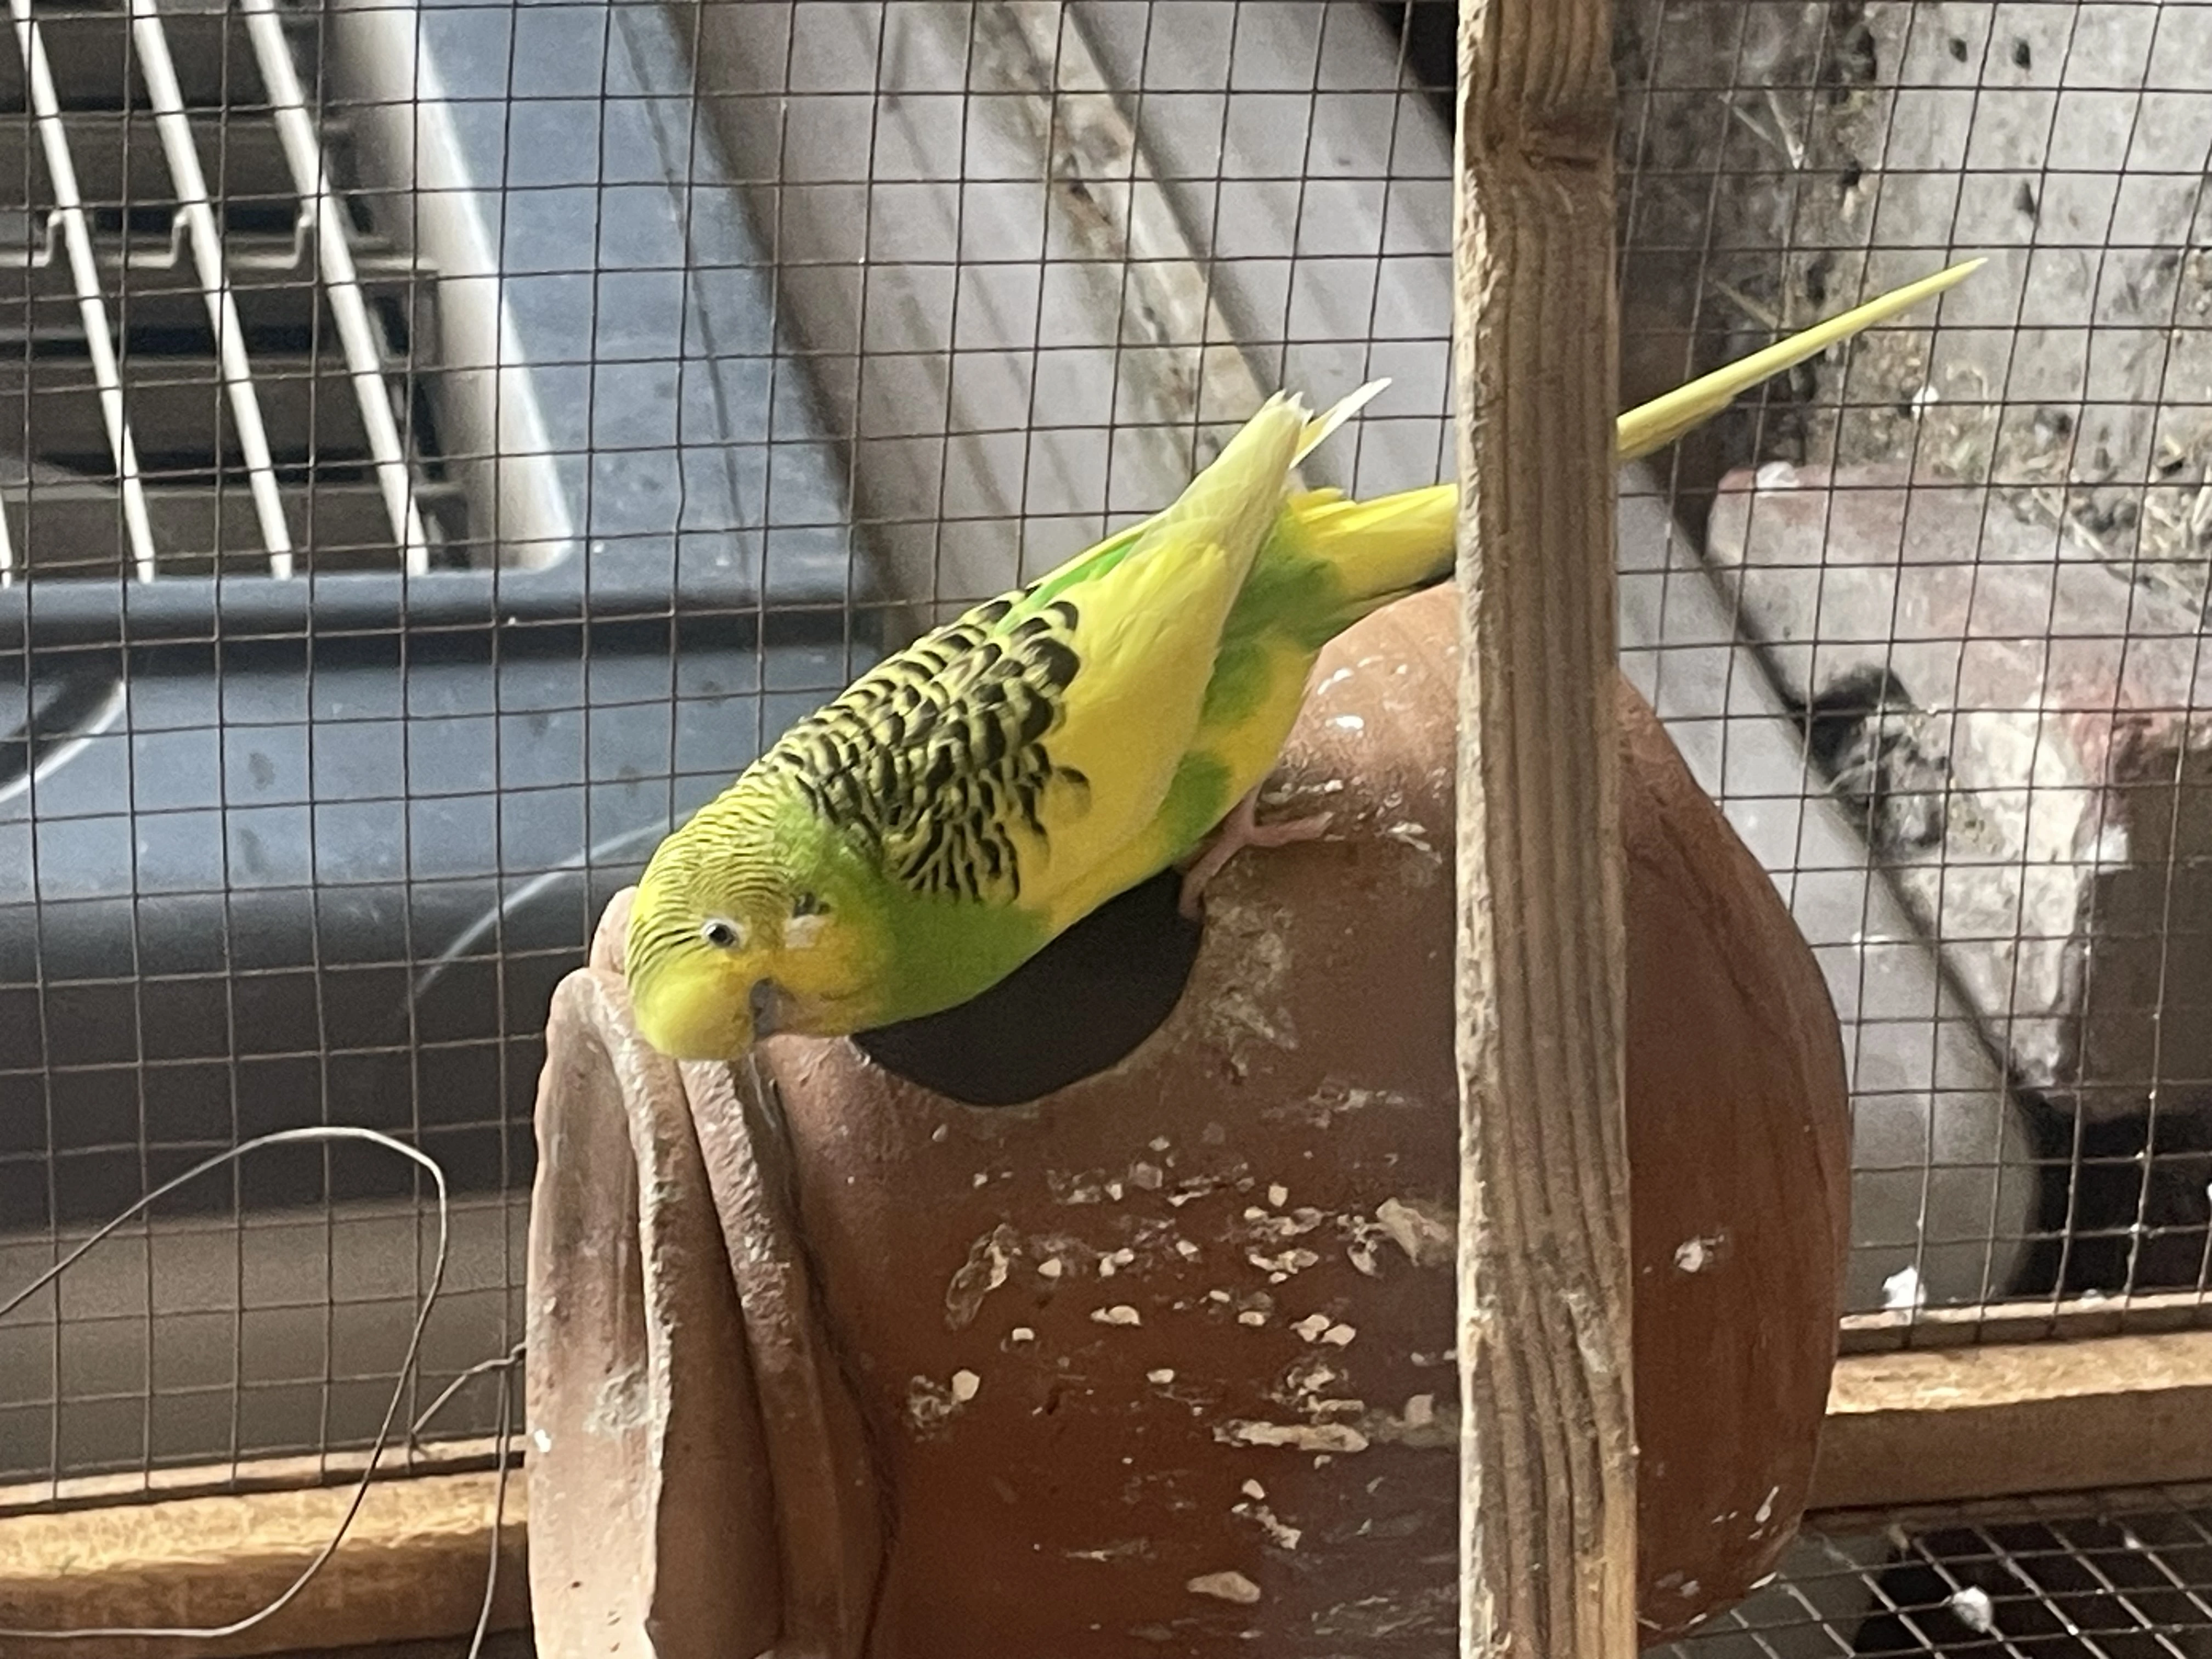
column 640, row 294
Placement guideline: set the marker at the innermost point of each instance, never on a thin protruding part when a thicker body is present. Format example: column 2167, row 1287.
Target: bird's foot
column 1240, row 829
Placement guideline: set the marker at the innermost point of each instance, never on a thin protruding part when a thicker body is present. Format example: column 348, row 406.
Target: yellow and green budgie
column 966, row 800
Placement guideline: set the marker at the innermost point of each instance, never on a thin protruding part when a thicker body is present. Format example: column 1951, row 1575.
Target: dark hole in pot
column 1077, row 1007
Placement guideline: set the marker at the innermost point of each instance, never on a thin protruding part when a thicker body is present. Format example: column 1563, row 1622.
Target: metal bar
column 208, row 257
column 303, row 152
column 6, row 541
column 84, row 272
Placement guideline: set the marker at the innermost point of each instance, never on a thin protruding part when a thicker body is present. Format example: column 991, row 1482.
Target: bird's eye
column 719, row 933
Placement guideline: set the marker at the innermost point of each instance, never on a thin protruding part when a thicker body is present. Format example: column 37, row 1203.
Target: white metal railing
column 303, row 153
column 84, row 272
column 183, row 158
column 321, row 218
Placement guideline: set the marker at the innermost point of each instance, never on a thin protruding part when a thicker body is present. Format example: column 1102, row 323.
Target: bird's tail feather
column 1319, row 428
column 1397, row 545
column 1667, row 417
column 1384, row 549
column 1234, row 502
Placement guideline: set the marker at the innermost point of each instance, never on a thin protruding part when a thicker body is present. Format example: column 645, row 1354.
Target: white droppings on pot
column 1280, row 1533
column 930, row 1405
column 1280, row 1229
column 1229, row 1586
column 1121, row 1314
column 1087, row 1187
column 989, row 1259
column 1294, row 1437
column 1418, row 1425
column 1426, row 1232
column 1279, row 1267
column 1334, row 1098
column 1415, row 836
column 1694, row 1255
column 1120, row 1550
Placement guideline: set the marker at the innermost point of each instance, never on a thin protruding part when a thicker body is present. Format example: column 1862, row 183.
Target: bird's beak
column 763, row 1002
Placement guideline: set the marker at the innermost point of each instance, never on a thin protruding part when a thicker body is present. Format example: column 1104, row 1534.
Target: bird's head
column 728, row 944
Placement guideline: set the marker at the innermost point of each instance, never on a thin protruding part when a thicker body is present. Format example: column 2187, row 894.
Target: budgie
column 965, row 800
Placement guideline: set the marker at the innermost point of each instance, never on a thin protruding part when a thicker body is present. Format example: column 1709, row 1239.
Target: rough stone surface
column 2017, row 726
column 1794, row 156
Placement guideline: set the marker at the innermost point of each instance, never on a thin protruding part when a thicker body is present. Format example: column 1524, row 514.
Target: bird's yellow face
column 701, row 987
column 720, row 958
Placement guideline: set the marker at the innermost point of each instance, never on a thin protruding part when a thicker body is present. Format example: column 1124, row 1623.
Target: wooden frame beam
column 412, row 1567
column 1941, row 1425
column 1548, row 1452
column 2042, row 1319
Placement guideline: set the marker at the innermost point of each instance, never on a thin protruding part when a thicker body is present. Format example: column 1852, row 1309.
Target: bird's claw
column 1240, row 829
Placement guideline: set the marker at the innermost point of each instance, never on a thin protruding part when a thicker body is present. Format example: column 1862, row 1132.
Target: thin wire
column 498, row 1499
column 507, row 1361
column 321, row 1133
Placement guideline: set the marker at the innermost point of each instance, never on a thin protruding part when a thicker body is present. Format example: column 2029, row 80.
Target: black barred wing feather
column 938, row 759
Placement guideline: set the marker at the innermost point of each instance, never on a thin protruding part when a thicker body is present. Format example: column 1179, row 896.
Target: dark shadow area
column 1077, row 1007
column 2071, row 1588
column 2122, row 1204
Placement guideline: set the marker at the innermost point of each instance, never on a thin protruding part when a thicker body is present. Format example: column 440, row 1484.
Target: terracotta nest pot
column 827, row 1360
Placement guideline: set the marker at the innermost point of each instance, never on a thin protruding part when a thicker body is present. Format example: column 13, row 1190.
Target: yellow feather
column 1665, row 419
column 1389, row 545
column 1145, row 636
column 1318, row 428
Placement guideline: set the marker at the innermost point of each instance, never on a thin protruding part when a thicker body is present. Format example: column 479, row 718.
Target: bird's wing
column 1005, row 756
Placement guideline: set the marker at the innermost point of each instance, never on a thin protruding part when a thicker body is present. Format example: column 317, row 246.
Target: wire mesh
column 511, row 414
column 1970, row 564
column 2116, row 1576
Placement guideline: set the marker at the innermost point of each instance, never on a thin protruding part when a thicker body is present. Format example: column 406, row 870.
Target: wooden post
column 1547, row 1499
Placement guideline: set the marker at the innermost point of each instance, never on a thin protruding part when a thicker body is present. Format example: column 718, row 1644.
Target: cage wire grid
column 2094, row 1576
column 645, row 371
